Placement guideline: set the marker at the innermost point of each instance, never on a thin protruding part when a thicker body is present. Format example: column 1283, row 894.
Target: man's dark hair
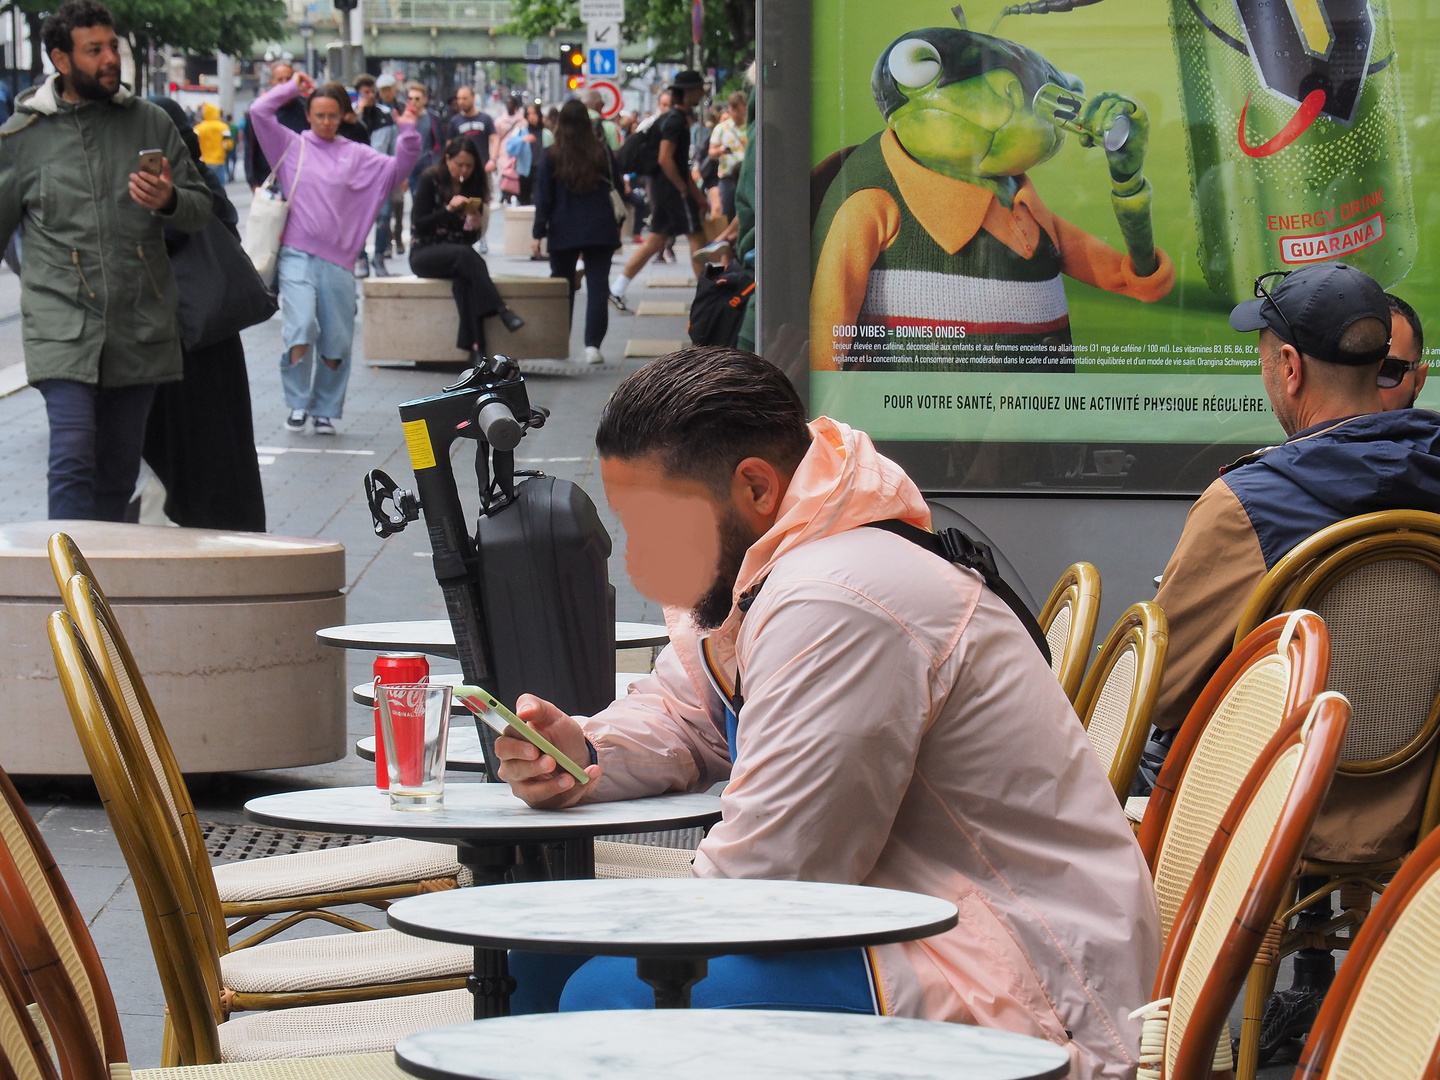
column 704, row 411
column 1406, row 312
column 364, row 80
column 56, row 33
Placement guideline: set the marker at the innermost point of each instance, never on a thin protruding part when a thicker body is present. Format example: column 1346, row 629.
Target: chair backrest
column 101, row 630
column 1280, row 665
column 21, row 841
column 1068, row 621
column 1375, row 580
column 33, row 974
column 1381, row 1016
column 67, row 560
column 1118, row 695
column 181, row 938
column 1242, row 881
column 23, row 1052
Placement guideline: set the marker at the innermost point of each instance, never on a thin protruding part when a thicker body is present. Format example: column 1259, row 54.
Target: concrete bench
column 222, row 626
column 414, row 318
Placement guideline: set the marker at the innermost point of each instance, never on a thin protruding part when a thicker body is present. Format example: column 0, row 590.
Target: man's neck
column 67, row 94
column 1325, row 412
column 471, row 113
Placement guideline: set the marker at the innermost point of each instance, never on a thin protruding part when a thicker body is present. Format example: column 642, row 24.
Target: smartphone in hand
column 501, row 720
column 152, row 162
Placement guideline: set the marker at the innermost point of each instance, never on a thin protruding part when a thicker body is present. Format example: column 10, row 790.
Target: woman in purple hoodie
column 335, row 188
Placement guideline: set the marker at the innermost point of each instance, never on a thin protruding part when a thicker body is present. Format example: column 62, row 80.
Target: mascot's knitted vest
column 1012, row 309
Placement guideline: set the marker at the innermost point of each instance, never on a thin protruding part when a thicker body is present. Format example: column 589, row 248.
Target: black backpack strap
column 954, row 546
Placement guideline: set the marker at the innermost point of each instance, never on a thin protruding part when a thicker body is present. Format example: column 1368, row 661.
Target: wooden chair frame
column 1419, row 868
column 1144, row 628
column 1306, row 644
column 1319, row 726
column 1079, row 587
column 67, row 560
column 1304, row 575
column 1315, row 565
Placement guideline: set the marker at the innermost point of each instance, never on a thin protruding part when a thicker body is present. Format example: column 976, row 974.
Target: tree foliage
column 200, row 27
column 728, row 44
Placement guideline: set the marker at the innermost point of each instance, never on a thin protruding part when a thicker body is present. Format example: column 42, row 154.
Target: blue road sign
column 602, row 61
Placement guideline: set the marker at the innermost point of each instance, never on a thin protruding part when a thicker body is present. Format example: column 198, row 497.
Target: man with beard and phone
column 882, row 718
column 94, row 172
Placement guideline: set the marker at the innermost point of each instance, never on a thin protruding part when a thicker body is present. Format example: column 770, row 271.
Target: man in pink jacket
column 882, row 719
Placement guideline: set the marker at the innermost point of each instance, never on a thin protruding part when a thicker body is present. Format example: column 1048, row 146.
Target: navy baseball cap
column 1312, row 308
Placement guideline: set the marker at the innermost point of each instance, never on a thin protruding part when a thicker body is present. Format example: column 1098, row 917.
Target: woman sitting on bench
column 447, row 219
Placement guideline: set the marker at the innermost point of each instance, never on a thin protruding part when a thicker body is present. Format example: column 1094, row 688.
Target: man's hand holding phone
column 534, row 776
column 154, row 190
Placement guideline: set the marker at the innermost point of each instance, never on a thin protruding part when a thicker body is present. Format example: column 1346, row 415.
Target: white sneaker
column 323, row 426
column 592, row 355
column 296, row 420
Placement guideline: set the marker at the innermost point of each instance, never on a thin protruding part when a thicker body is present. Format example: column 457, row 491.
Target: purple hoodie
column 342, row 183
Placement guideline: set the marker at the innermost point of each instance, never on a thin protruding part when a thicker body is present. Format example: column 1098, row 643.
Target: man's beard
column 735, row 540
column 92, row 89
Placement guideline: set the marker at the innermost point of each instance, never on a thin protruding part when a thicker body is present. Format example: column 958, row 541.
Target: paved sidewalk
column 312, row 488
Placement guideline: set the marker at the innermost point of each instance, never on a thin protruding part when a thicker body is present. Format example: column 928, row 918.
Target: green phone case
column 483, row 704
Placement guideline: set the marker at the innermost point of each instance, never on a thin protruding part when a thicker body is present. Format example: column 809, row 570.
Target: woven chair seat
column 614, row 860
column 340, row 961
column 334, row 870
column 355, row 1027
column 344, row 1067
column 1135, row 807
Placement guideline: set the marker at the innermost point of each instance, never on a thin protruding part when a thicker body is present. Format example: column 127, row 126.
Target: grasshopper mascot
column 931, row 248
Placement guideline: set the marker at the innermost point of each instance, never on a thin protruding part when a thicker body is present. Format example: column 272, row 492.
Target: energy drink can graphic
column 1063, row 107
column 1296, row 142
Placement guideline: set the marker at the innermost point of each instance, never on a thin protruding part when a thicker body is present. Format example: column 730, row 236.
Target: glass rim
column 413, row 686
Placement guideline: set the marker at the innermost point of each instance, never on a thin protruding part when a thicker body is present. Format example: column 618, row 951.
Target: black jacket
column 292, row 115
column 431, row 223
column 571, row 220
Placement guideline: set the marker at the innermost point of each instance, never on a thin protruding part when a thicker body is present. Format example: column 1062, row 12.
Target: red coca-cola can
column 394, row 669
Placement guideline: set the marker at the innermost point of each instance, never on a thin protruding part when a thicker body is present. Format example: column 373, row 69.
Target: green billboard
column 1028, row 224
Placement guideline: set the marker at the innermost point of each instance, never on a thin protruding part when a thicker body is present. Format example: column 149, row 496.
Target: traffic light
column 572, row 66
column 346, row 5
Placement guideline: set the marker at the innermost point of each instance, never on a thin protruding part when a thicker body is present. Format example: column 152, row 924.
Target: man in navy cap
column 1324, row 340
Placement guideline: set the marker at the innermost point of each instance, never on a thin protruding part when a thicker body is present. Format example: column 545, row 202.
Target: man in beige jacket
column 880, row 716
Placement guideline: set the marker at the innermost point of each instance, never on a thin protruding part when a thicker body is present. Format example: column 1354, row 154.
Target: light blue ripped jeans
column 317, row 300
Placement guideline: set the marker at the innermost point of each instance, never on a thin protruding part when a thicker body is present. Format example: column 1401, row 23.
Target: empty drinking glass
column 415, row 727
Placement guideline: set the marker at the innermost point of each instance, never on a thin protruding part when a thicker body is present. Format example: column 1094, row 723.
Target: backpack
column 719, row 305
column 640, row 152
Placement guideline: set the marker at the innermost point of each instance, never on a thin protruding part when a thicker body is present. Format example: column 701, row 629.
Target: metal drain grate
column 232, row 843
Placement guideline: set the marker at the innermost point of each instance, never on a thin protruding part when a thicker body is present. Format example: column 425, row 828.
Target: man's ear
column 757, row 488
column 1292, row 369
column 61, row 59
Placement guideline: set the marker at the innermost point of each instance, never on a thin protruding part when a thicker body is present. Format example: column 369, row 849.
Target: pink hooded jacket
column 900, row 729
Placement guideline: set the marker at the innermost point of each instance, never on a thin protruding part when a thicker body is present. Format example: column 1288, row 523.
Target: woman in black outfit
column 442, row 232
column 573, row 208
column 200, row 437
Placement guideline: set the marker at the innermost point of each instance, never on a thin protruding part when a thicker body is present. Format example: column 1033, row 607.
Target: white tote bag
column 269, row 210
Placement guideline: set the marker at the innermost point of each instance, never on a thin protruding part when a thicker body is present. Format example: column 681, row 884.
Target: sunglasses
column 1393, row 371
column 1262, row 291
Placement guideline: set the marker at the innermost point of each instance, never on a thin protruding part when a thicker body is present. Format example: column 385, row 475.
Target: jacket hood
column 44, row 99
column 842, row 483
column 1366, row 463
column 210, row 111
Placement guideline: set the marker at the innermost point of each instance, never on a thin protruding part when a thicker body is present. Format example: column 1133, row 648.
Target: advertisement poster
column 1029, row 222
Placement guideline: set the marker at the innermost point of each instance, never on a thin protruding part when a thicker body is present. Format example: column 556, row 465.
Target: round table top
column 672, row 916
column 718, row 1044
column 364, row 693
column 476, row 812
column 437, row 636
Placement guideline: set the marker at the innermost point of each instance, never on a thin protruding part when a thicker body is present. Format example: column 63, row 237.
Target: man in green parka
column 97, row 296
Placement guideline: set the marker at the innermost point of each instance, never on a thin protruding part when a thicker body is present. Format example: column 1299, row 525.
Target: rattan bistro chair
column 1118, row 695
column 1282, row 664
column 182, row 931
column 1381, row 1016
column 49, row 1006
column 306, row 883
column 1241, row 879
column 1376, row 581
column 1068, row 620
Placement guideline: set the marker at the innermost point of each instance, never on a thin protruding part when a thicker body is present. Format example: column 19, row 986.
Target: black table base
column 491, row 984
column 671, row 977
